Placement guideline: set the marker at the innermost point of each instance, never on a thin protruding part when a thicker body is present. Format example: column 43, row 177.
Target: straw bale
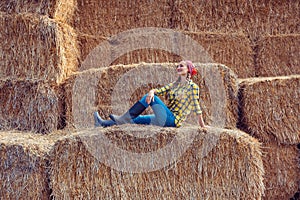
column 269, row 108
column 230, row 169
column 30, row 105
column 232, row 50
column 116, row 88
column 105, row 18
column 278, row 55
column 46, row 49
column 255, row 18
column 57, row 9
column 282, row 172
column 24, row 166
column 88, row 43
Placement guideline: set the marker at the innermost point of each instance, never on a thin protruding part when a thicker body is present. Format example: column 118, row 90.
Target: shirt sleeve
column 195, row 99
column 163, row 90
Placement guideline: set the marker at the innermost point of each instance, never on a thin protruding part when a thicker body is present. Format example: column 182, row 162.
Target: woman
column 182, row 95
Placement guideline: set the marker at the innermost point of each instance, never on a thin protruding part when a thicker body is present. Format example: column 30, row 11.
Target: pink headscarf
column 191, row 68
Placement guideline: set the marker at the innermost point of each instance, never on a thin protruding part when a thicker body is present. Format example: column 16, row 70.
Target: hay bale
column 46, row 49
column 57, row 9
column 30, row 105
column 230, row 169
column 254, row 18
column 24, row 166
column 105, row 18
column 88, row 43
column 278, row 55
column 116, row 88
column 282, row 171
column 232, row 50
column 269, row 108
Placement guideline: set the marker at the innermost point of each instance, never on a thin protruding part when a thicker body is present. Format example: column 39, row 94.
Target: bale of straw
column 278, row 55
column 105, row 18
column 116, row 88
column 269, row 108
column 255, row 18
column 30, row 105
column 57, row 9
column 24, row 166
column 232, row 50
column 46, row 49
column 282, row 171
column 219, row 164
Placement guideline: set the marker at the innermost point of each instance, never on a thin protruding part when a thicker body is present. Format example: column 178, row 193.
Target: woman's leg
column 101, row 122
column 162, row 114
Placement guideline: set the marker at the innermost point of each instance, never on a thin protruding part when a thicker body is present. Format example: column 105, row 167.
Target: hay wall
column 118, row 87
column 23, row 166
column 278, row 55
column 57, row 9
column 269, row 108
column 106, row 18
column 254, row 18
column 231, row 170
column 45, row 50
column 269, row 111
column 28, row 105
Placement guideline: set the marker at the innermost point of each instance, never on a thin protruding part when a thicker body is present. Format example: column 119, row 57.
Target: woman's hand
column 150, row 96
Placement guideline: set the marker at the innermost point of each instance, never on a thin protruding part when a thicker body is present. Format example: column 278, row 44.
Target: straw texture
column 278, row 55
column 270, row 108
column 60, row 10
column 45, row 50
column 28, row 105
column 202, row 172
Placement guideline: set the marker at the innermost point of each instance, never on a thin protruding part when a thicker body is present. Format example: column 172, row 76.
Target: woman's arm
column 201, row 121
column 150, row 96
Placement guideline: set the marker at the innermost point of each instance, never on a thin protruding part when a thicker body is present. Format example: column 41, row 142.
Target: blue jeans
column 162, row 114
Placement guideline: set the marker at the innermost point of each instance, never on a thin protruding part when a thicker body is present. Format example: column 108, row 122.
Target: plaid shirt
column 182, row 99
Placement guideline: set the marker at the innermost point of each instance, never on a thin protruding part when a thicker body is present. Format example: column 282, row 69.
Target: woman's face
column 182, row 68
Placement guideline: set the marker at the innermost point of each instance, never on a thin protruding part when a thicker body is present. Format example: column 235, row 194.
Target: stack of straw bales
column 36, row 47
column 23, row 166
column 56, row 9
column 116, row 88
column 219, row 164
column 270, row 112
column 255, row 18
column 278, row 55
column 30, row 105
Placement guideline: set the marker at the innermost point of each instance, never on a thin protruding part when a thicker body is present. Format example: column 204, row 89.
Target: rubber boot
column 101, row 122
column 132, row 113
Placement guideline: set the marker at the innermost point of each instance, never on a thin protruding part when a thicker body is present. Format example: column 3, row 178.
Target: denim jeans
column 162, row 115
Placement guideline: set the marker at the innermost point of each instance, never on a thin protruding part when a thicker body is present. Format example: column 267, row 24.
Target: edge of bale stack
column 219, row 164
column 46, row 49
column 269, row 110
